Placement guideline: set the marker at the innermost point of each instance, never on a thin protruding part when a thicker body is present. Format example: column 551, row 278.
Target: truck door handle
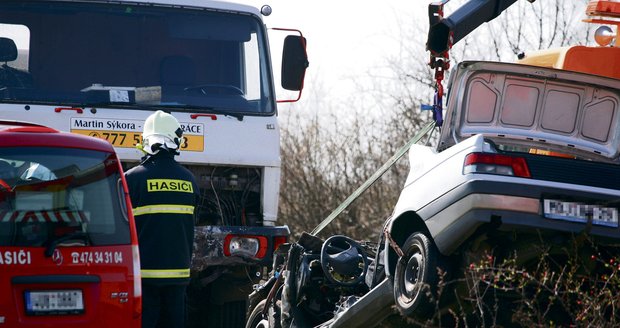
column 77, row 109
column 212, row 116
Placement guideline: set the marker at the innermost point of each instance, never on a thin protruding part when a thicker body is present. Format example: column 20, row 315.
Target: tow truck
column 100, row 68
column 525, row 151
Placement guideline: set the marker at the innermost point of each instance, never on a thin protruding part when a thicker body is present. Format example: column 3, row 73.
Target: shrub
column 575, row 285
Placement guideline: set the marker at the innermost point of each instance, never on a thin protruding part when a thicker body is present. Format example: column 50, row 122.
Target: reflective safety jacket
column 164, row 196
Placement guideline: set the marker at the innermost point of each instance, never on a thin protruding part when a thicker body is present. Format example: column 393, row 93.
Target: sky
column 345, row 38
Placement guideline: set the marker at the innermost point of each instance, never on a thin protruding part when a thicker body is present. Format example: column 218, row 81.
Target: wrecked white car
column 524, row 153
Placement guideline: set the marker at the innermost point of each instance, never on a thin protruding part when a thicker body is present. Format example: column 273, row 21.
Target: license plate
column 580, row 212
column 54, row 302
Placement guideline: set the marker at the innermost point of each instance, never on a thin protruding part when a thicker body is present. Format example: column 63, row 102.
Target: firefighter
column 164, row 196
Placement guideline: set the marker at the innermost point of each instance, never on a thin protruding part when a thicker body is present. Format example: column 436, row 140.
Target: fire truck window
column 55, row 191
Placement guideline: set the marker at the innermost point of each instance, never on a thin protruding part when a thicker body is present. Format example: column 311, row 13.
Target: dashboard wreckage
column 527, row 151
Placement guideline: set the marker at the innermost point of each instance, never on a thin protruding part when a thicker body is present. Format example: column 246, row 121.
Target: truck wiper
column 114, row 105
column 210, row 110
column 203, row 110
column 80, row 235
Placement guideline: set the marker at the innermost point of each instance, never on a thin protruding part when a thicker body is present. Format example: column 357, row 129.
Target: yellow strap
column 164, row 208
column 174, row 273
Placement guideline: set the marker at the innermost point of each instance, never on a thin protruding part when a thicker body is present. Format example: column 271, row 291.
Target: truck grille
column 229, row 195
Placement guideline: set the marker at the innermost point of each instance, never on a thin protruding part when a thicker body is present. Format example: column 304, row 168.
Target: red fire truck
column 68, row 244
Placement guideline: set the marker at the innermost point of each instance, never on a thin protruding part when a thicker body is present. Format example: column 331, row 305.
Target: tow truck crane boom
column 444, row 32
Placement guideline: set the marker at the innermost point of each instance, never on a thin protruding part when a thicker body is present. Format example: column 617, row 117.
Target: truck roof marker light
column 604, row 12
column 212, row 116
column 245, row 245
column 266, row 10
column 604, row 35
column 487, row 163
column 77, row 109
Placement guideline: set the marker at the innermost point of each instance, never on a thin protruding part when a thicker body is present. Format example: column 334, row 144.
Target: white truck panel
column 254, row 141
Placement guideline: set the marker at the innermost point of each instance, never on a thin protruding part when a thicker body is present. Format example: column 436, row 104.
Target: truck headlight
column 245, row 245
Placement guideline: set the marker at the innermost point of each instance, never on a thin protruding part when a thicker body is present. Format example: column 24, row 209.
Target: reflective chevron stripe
column 44, row 216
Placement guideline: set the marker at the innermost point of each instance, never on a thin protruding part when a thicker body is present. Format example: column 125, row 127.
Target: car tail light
column 496, row 164
column 137, row 282
column 245, row 245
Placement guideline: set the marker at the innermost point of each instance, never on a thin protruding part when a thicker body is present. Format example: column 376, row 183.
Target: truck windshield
column 132, row 56
column 49, row 193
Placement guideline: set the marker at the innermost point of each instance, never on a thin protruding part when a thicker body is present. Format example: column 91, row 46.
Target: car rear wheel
column 256, row 318
column 416, row 277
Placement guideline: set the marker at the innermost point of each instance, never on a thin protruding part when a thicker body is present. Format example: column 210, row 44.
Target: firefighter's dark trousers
column 163, row 306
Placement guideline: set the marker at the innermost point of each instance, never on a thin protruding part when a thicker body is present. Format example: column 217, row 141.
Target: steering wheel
column 218, row 89
column 345, row 257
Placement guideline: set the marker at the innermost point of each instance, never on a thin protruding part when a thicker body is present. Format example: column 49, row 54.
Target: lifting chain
column 440, row 62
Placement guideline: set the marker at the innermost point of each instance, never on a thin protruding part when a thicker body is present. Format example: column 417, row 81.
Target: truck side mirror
column 294, row 62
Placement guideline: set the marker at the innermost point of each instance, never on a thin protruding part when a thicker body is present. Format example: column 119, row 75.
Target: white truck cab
column 100, row 68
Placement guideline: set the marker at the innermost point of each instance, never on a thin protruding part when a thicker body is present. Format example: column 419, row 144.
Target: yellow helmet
column 161, row 130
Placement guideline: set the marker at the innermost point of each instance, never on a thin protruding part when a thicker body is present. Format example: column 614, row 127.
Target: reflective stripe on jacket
column 170, row 273
column 164, row 208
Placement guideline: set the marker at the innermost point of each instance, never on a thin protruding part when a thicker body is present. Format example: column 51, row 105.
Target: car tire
column 256, row 318
column 416, row 277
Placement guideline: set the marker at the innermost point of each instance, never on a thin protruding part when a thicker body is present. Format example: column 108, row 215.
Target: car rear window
column 47, row 193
